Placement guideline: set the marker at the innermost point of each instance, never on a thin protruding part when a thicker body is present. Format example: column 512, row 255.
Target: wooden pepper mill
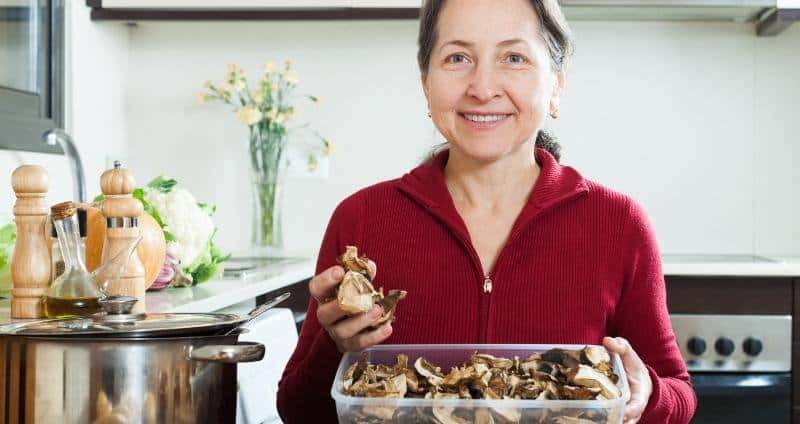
column 30, row 263
column 122, row 214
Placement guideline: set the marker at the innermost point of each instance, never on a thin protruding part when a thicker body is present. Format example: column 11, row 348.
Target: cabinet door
column 221, row 4
column 387, row 3
column 30, row 78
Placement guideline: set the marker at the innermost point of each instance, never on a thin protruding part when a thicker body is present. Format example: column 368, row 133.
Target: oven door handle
column 761, row 384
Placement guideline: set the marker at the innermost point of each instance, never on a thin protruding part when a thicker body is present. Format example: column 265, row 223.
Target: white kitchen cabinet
column 221, row 4
column 386, row 3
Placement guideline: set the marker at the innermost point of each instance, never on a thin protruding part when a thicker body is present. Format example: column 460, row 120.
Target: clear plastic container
column 353, row 409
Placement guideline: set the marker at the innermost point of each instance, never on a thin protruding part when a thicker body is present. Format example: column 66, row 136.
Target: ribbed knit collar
column 556, row 184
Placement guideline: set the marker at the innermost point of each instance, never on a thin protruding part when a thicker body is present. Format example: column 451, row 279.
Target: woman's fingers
column 328, row 313
column 370, row 338
column 323, row 286
column 350, row 327
column 638, row 378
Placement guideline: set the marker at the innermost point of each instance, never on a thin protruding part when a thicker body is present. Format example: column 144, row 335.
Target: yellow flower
column 288, row 63
column 201, row 98
column 291, row 77
column 269, row 67
column 249, row 115
column 258, row 96
column 328, row 146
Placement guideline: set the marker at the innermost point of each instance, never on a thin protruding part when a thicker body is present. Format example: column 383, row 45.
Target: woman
column 493, row 239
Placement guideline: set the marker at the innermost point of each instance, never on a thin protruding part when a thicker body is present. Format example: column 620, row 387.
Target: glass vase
column 268, row 170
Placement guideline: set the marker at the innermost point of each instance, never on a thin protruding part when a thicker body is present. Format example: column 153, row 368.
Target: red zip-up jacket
column 581, row 262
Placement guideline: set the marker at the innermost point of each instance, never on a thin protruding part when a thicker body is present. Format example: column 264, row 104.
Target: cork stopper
column 30, row 179
column 62, row 211
column 117, row 181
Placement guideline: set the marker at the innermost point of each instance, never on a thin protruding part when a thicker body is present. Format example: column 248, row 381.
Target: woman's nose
column 483, row 85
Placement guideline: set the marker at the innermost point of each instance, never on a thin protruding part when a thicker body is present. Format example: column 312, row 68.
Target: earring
column 554, row 113
column 429, row 114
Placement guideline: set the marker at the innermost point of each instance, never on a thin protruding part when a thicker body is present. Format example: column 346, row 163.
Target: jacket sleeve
column 304, row 389
column 642, row 318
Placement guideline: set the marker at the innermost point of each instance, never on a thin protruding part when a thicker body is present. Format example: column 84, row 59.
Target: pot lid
column 117, row 321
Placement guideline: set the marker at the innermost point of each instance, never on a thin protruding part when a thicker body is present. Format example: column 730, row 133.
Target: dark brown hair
column 555, row 33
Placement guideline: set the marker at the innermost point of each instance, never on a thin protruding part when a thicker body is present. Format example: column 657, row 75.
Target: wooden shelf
column 100, row 13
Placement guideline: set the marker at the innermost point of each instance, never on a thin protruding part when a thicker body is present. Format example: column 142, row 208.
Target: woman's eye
column 516, row 59
column 456, row 58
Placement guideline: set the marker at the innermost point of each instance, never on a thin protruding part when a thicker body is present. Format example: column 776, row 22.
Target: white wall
column 96, row 78
column 696, row 120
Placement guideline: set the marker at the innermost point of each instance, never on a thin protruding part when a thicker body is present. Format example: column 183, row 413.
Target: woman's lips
column 483, row 121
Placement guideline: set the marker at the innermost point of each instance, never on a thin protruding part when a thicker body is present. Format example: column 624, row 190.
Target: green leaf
column 162, row 184
column 98, row 198
column 8, row 236
column 169, row 237
column 207, row 208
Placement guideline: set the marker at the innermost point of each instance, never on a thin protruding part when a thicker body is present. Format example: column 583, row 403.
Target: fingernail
column 387, row 329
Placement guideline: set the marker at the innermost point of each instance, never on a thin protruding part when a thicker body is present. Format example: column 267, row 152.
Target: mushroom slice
column 577, row 393
column 483, row 416
column 567, row 358
column 458, row 375
column 355, row 293
column 431, row 373
column 564, row 419
column 384, row 412
column 351, row 262
column 506, row 415
column 389, row 304
column 587, row 376
column 497, row 382
column 445, row 413
column 528, row 366
column 491, row 360
column 595, row 356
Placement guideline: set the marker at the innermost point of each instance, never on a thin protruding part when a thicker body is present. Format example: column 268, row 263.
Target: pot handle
column 229, row 354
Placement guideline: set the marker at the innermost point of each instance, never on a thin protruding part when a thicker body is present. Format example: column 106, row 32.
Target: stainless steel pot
column 123, row 368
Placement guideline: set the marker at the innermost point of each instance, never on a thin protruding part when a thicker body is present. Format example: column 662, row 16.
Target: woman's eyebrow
column 468, row 44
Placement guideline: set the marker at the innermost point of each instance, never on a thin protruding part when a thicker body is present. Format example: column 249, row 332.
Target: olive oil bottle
column 74, row 292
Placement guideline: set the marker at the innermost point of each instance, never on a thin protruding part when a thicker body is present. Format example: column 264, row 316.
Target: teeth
column 484, row 118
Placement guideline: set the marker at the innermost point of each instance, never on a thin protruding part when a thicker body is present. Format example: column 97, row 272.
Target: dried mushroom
column 356, row 294
column 558, row 374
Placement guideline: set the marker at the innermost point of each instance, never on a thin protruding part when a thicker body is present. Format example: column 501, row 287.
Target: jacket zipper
column 487, row 284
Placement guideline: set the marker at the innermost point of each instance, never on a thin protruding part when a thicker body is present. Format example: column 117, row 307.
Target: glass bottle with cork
column 74, row 292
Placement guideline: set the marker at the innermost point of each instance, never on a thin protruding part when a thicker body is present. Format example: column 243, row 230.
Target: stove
column 740, row 366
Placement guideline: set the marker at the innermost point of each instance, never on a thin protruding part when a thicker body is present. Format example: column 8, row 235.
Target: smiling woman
column 493, row 239
column 513, row 56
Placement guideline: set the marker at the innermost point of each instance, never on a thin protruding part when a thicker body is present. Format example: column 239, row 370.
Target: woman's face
column 490, row 83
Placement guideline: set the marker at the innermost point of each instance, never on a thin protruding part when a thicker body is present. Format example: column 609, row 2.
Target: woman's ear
column 558, row 89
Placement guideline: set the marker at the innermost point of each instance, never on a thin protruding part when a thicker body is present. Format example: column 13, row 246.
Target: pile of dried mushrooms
column 558, row 374
column 356, row 294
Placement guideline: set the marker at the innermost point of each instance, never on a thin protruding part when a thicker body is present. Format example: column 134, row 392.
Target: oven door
column 742, row 398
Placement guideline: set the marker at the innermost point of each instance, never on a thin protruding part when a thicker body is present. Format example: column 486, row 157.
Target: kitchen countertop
column 221, row 293
column 216, row 294
column 731, row 265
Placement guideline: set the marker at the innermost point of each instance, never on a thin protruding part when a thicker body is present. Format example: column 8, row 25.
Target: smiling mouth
column 484, row 120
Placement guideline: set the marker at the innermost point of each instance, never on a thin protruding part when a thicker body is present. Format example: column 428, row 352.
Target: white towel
column 258, row 381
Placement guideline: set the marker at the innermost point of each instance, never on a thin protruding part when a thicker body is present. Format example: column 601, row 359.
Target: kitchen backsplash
column 695, row 120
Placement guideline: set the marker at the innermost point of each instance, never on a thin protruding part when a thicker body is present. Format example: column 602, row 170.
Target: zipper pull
column 487, row 284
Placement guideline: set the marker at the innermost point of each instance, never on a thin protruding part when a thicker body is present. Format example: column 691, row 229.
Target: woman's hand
column 638, row 378
column 347, row 332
